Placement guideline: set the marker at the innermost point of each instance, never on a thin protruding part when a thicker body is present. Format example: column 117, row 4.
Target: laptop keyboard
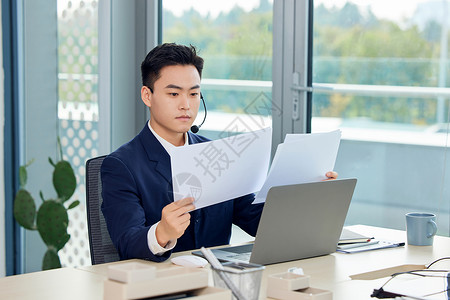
column 237, row 253
column 241, row 257
column 246, row 249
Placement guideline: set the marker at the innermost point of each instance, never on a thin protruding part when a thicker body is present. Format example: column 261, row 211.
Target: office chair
column 100, row 244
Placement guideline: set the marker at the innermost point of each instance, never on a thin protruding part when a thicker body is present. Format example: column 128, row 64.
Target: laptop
column 298, row 221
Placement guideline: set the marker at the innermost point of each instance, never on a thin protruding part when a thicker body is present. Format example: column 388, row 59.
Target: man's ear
column 146, row 96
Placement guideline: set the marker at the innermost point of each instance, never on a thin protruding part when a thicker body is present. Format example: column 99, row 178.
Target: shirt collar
column 167, row 146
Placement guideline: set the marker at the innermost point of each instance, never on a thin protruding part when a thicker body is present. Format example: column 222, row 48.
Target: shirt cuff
column 153, row 245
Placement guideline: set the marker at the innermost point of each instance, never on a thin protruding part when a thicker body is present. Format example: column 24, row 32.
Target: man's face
column 175, row 100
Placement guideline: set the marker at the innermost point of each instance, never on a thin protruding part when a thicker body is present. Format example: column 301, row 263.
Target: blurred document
column 221, row 170
column 301, row 158
column 431, row 285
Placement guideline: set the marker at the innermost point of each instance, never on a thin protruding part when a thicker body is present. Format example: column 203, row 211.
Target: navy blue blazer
column 137, row 184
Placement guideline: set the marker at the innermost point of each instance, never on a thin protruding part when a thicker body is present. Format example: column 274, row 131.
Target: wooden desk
column 330, row 272
column 65, row 283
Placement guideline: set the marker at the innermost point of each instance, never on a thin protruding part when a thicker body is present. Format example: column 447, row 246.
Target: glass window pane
column 235, row 40
column 381, row 74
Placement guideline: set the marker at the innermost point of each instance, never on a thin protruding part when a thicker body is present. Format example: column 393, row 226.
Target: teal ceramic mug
column 420, row 228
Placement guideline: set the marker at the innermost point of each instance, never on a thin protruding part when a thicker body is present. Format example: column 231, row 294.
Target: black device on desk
column 298, row 221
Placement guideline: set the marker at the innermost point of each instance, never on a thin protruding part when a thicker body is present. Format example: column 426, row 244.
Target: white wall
column 2, row 173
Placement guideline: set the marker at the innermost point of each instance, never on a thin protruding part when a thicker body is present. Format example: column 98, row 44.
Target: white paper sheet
column 301, row 158
column 429, row 288
column 221, row 170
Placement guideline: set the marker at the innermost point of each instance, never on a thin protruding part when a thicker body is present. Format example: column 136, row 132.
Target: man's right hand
column 174, row 220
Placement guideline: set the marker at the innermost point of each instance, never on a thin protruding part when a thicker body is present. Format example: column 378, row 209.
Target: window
column 235, row 40
column 381, row 74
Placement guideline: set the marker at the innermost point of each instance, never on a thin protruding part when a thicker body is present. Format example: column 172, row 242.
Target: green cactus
column 51, row 218
column 51, row 258
column 52, row 221
column 64, row 180
column 25, row 209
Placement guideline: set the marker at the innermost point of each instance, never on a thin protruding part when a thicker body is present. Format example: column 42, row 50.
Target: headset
column 196, row 128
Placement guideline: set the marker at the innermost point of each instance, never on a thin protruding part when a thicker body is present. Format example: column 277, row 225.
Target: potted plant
column 51, row 219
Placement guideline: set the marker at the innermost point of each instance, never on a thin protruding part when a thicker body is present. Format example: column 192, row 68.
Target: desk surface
column 330, row 272
column 65, row 283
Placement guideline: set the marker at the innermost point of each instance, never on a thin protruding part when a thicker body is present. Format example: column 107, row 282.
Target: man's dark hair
column 169, row 54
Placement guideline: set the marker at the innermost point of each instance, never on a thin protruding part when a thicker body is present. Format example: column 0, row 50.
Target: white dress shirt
column 152, row 242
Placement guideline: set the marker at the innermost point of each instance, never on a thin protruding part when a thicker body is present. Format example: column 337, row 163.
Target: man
column 142, row 219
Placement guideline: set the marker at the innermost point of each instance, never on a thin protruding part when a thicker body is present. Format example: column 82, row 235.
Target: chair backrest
column 100, row 244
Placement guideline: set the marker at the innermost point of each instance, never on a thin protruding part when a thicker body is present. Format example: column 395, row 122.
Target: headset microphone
column 196, row 128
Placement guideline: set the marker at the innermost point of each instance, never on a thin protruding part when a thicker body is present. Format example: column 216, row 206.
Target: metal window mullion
column 300, row 25
column 375, row 90
column 104, row 77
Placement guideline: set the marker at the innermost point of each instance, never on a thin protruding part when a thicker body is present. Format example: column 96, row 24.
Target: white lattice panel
column 78, row 110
